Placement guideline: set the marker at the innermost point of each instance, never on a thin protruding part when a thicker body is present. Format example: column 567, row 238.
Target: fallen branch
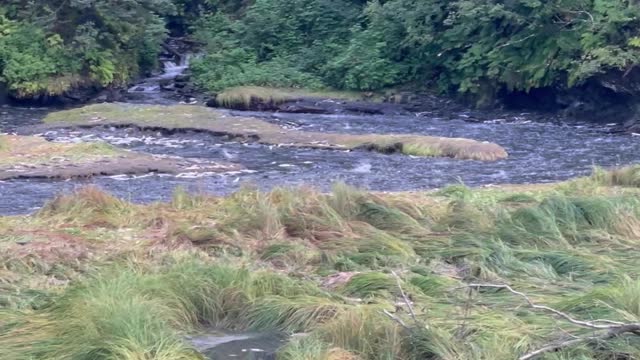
column 610, row 334
column 405, row 298
column 407, row 302
column 396, row 319
column 587, row 324
column 608, row 328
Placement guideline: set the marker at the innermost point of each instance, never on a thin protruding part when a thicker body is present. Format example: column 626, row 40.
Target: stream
column 219, row 345
column 540, row 151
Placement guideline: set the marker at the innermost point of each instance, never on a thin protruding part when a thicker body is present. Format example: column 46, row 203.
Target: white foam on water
column 362, row 168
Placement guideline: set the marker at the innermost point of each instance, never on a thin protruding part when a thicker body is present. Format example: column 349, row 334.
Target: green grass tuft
column 624, row 176
column 88, row 203
column 370, row 284
column 559, row 219
column 245, row 96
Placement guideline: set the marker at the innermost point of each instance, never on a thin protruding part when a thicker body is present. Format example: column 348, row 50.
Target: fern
column 634, row 42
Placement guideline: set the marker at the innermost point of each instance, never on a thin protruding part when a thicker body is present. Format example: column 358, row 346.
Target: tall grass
column 624, row 176
column 244, row 96
column 562, row 220
column 367, row 333
column 320, row 264
column 313, row 348
column 114, row 318
column 89, row 204
column 140, row 313
column 369, row 284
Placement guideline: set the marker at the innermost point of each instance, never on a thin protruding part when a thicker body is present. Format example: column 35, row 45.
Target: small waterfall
column 170, row 70
column 144, row 88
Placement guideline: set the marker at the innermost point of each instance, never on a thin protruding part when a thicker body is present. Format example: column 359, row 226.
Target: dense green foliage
column 47, row 47
column 457, row 46
column 468, row 47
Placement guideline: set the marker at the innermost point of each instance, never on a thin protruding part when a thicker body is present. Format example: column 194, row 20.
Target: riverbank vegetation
column 242, row 128
column 246, row 96
column 50, row 47
column 464, row 47
column 363, row 275
column 460, row 46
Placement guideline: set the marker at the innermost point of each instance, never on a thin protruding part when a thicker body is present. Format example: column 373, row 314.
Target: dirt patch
column 33, row 157
column 197, row 118
column 47, row 246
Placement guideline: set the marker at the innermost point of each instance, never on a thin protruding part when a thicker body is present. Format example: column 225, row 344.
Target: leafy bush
column 275, row 43
column 471, row 47
column 30, row 59
column 477, row 48
column 362, row 65
column 46, row 52
column 238, row 67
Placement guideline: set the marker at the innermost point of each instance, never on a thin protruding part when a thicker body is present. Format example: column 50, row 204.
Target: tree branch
column 509, row 43
column 611, row 333
column 405, row 298
column 587, row 324
column 396, row 319
column 607, row 329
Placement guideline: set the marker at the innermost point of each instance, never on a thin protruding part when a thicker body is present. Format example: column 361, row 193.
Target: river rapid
column 540, row 151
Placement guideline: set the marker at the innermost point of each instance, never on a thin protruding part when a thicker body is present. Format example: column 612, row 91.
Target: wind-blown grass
column 301, row 261
column 88, row 203
column 141, row 313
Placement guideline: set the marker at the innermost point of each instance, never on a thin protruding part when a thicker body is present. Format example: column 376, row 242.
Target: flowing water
column 150, row 90
column 540, row 151
column 218, row 345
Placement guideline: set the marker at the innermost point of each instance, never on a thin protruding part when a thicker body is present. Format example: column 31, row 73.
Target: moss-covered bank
column 244, row 96
column 94, row 277
column 34, row 157
column 182, row 118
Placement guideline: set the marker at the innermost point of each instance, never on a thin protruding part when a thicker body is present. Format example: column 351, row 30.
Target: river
column 540, row 151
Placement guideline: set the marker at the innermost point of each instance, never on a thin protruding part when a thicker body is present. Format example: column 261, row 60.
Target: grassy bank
column 33, row 151
column 94, row 277
column 246, row 95
column 35, row 157
column 182, row 118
